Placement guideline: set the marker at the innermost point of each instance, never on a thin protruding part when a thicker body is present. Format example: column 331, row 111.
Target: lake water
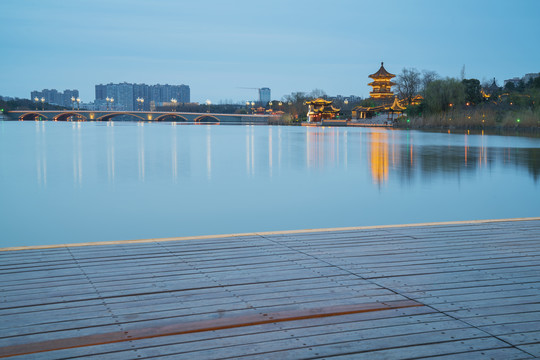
column 86, row 182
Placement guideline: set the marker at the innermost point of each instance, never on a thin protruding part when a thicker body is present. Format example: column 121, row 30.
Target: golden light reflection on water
column 379, row 157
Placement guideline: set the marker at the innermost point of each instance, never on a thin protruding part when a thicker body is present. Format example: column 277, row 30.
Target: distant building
column 264, row 96
column 529, row 77
column 514, row 81
column 525, row 79
column 55, row 97
column 125, row 95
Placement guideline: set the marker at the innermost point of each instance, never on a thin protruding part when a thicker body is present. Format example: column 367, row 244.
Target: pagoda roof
column 396, row 106
column 319, row 101
column 385, row 83
column 382, row 73
column 325, row 110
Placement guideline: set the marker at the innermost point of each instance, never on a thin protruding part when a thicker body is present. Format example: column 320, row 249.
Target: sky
column 219, row 47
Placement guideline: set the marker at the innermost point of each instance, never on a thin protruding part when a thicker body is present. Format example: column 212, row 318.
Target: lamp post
column 42, row 103
column 36, row 99
column 78, row 104
column 253, row 107
column 174, row 101
column 140, row 102
column 270, row 104
column 107, row 100
column 280, row 105
column 112, row 103
column 73, row 103
column 208, row 102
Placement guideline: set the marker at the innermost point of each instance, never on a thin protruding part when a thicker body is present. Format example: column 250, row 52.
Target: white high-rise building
column 264, row 96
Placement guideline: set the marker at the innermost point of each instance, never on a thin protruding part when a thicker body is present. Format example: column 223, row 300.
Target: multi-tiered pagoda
column 383, row 100
column 382, row 84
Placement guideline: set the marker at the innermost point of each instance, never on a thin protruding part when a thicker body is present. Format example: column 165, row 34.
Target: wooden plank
column 185, row 328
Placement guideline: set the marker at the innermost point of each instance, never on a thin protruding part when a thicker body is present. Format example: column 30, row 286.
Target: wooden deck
column 444, row 291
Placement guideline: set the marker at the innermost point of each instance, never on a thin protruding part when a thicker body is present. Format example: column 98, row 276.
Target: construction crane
column 252, row 88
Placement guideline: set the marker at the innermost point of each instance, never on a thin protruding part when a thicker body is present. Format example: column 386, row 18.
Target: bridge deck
column 446, row 291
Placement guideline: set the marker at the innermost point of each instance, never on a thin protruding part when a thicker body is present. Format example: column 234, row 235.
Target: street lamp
column 208, row 102
column 253, row 106
column 174, row 101
column 42, row 103
column 78, row 104
column 36, row 99
column 73, row 103
column 140, row 102
column 107, row 100
column 112, row 101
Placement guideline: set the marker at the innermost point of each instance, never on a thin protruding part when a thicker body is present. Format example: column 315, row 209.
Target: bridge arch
column 66, row 115
column 172, row 116
column 33, row 115
column 207, row 119
column 108, row 117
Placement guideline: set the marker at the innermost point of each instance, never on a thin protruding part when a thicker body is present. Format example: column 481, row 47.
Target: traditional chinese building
column 382, row 84
column 383, row 100
column 392, row 110
column 320, row 109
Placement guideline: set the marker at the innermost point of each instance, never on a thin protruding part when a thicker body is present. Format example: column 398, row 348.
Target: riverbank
column 479, row 119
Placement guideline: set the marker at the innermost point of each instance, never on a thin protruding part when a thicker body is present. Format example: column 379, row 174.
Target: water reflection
column 142, row 163
column 110, row 152
column 250, row 150
column 174, row 154
column 209, row 152
column 41, row 154
column 379, row 157
column 387, row 155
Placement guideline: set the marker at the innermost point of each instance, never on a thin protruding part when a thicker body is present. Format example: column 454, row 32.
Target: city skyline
column 219, row 49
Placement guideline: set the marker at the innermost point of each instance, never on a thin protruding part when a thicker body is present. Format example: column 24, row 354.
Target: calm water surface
column 81, row 182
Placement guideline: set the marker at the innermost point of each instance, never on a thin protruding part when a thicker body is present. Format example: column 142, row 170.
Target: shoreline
column 265, row 233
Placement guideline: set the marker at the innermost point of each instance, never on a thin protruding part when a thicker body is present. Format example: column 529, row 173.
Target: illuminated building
column 382, row 99
column 382, row 84
column 390, row 109
column 320, row 109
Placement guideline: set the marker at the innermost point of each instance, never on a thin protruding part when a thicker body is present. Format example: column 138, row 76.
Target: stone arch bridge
column 86, row 115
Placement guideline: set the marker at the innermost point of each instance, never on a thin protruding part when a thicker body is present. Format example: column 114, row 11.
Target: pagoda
column 382, row 86
column 320, row 109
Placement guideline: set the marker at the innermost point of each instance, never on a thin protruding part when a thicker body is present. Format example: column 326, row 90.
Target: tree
column 441, row 95
column 472, row 91
column 317, row 93
column 408, row 83
column 428, row 76
column 295, row 104
column 509, row 86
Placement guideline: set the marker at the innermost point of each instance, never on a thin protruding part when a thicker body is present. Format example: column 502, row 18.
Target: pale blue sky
column 217, row 46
